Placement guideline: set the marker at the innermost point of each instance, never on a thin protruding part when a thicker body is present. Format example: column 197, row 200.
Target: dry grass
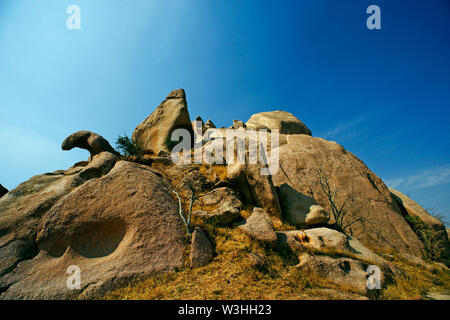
column 416, row 282
column 231, row 276
column 214, row 172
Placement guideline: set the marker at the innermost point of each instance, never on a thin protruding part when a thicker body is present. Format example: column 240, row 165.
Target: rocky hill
column 139, row 226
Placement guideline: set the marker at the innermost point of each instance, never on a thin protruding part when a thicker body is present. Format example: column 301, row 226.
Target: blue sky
column 383, row 94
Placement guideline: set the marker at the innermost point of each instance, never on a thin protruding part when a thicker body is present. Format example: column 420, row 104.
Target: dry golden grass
column 214, row 172
column 416, row 282
column 231, row 276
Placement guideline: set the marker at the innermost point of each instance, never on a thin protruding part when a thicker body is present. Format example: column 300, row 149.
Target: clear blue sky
column 383, row 94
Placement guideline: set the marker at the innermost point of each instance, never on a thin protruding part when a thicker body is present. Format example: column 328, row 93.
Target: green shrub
column 127, row 146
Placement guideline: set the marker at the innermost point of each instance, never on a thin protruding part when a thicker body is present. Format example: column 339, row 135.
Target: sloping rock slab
column 119, row 227
column 375, row 218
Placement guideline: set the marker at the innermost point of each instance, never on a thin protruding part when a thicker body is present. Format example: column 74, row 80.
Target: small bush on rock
column 127, row 146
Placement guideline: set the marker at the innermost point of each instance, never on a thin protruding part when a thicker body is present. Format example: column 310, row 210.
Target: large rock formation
column 153, row 135
column 22, row 208
column 374, row 218
column 284, row 121
column 92, row 142
column 433, row 230
column 3, row 191
column 114, row 228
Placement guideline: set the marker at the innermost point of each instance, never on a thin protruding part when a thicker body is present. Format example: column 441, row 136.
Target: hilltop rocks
column 92, row 142
column 259, row 226
column 154, row 133
column 374, row 218
column 299, row 209
column 115, row 228
column 437, row 233
column 284, row 121
column 3, row 191
column 201, row 249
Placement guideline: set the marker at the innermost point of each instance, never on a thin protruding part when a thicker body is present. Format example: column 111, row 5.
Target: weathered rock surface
column 255, row 188
column 374, row 218
column 317, row 238
column 325, row 239
column 316, row 215
column 154, row 133
column 299, row 209
column 344, row 271
column 284, row 121
column 3, row 191
column 114, row 228
column 437, row 233
column 259, row 226
column 221, row 206
column 201, row 249
column 92, row 142
column 22, row 208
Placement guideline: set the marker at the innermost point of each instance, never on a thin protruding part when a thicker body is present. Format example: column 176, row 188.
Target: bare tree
column 339, row 209
column 193, row 184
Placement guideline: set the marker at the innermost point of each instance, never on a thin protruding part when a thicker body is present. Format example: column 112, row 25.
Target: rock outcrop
column 3, row 191
column 328, row 240
column 118, row 220
column 299, row 209
column 259, row 226
column 22, row 208
column 343, row 271
column 153, row 135
column 92, row 142
column 222, row 204
column 201, row 249
column 374, row 218
column 284, row 121
column 256, row 189
column 114, row 228
column 435, row 230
